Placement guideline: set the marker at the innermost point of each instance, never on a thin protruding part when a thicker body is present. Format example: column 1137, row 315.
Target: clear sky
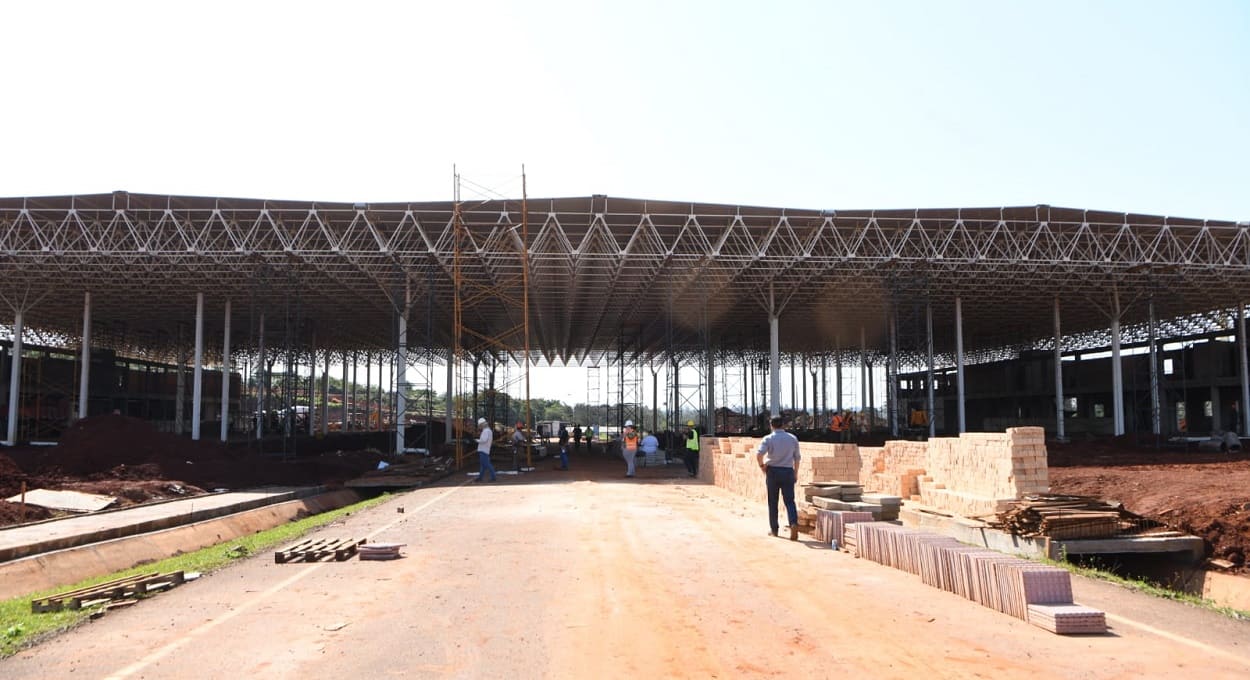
column 1134, row 105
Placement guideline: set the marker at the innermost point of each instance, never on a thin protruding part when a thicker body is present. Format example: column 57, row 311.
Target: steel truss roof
column 602, row 265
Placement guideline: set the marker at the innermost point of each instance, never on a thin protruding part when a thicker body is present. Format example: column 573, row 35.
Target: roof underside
column 605, row 273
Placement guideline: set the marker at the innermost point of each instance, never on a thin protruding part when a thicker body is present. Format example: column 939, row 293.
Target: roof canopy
column 658, row 276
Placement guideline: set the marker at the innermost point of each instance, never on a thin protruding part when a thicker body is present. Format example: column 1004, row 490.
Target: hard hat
column 629, row 423
column 689, row 423
column 481, row 421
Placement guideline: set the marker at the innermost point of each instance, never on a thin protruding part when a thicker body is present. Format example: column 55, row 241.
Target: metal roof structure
column 659, row 271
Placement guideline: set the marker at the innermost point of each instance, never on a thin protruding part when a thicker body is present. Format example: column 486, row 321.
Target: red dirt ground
column 125, row 457
column 1205, row 494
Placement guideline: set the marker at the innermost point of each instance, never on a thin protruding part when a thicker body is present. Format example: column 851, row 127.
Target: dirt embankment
column 1206, row 494
column 125, row 457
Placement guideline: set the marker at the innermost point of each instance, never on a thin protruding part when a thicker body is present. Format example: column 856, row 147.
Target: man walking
column 629, row 446
column 484, row 442
column 779, row 457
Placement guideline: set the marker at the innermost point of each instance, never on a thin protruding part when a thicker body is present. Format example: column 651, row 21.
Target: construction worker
column 838, row 426
column 577, row 437
column 484, row 442
column 519, row 441
column 629, row 446
column 778, row 457
column 692, row 449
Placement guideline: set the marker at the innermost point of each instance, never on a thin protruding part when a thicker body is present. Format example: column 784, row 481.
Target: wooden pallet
column 131, row 586
column 314, row 550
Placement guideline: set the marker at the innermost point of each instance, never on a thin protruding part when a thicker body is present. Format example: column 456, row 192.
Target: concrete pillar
column 1156, row 413
column 1217, row 422
column 84, row 375
column 1059, row 424
column 369, row 391
column 378, row 400
column 355, row 377
column 312, row 387
column 837, row 379
column 710, row 407
column 864, row 379
column 225, row 377
column 929, row 396
column 959, row 365
column 197, row 385
column 1117, row 371
column 824, row 388
column 15, row 379
column 1244, row 406
column 401, row 380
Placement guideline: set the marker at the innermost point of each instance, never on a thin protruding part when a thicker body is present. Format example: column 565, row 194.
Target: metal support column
column 312, row 387
column 15, row 379
column 261, row 392
column 84, row 376
column 401, row 380
column 837, row 378
column 863, row 376
column 355, row 376
column 1117, row 370
column 449, row 404
column 368, row 390
column 959, row 365
column 197, row 385
column 225, row 377
column 891, row 373
column 343, row 424
column 1059, row 424
column 325, row 397
column 1244, row 406
column 1156, row 415
column 774, row 367
column 929, row 396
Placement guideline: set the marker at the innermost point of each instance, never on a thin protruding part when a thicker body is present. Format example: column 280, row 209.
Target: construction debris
column 69, row 501
column 380, row 551
column 402, row 475
column 117, row 590
column 313, row 550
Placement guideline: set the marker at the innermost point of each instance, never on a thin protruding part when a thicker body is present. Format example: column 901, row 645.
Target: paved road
column 588, row 575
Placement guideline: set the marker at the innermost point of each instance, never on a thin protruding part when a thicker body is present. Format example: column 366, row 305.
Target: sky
column 1134, row 106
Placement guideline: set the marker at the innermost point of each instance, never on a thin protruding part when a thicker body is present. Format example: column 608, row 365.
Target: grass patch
column 1149, row 588
column 20, row 628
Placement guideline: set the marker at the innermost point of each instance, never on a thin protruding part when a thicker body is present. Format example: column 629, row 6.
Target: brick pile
column 973, row 475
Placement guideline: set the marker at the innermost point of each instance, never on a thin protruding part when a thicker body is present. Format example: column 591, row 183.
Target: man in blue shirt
column 779, row 458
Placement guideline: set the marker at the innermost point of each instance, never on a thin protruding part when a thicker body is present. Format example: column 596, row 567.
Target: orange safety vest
column 631, row 441
column 837, row 425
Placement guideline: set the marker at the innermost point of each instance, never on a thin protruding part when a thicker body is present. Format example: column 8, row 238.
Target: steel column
column 312, row 386
column 959, row 365
column 84, row 375
column 774, row 366
column 891, row 373
column 261, row 383
column 1156, row 415
column 225, row 377
column 929, row 396
column 1059, row 424
column 401, row 381
column 863, row 375
column 368, row 391
column 343, row 425
column 325, row 397
column 1117, row 371
column 1244, row 406
column 355, row 376
column 197, row 385
column 448, row 401
column 15, row 379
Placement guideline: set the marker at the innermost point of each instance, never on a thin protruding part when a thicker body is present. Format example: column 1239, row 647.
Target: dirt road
column 587, row 575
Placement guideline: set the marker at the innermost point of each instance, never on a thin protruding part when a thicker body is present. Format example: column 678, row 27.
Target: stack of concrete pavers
column 889, row 505
column 831, row 524
column 1037, row 593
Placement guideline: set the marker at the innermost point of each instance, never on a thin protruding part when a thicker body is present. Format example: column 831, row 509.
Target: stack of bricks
column 729, row 462
column 894, row 468
column 973, row 475
column 980, row 474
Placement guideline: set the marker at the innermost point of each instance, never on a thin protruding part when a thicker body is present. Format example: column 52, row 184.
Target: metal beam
column 84, row 376
column 1117, row 369
column 15, row 378
column 225, row 377
column 1059, row 424
column 197, row 388
column 959, row 364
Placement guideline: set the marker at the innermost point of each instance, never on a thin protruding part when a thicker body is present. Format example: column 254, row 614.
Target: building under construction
column 974, row 318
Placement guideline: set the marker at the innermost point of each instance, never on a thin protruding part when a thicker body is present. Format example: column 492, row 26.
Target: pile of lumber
column 1037, row 593
column 1068, row 517
column 410, row 472
column 120, row 590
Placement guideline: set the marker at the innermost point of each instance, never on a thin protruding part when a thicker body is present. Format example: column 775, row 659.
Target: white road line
column 169, row 648
column 1178, row 638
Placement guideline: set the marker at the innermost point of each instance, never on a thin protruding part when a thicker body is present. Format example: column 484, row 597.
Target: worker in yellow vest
column 692, row 449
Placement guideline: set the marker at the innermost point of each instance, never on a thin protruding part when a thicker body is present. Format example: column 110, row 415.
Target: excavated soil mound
column 1205, row 494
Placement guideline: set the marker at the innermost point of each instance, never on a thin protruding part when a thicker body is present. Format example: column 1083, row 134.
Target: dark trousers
column 692, row 461
column 781, row 479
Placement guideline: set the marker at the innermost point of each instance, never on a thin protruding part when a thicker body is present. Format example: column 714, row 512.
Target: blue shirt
column 650, row 444
column 780, row 449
